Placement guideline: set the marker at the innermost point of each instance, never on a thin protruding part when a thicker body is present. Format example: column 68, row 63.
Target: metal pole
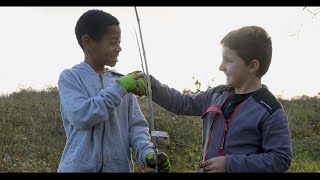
column 149, row 95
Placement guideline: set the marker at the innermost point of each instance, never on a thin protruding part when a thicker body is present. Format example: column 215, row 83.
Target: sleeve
column 176, row 102
column 276, row 147
column 139, row 135
column 83, row 111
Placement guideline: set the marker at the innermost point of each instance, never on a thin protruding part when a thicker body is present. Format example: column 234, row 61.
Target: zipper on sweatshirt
column 102, row 139
column 101, row 81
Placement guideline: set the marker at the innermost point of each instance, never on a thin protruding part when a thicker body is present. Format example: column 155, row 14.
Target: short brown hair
column 251, row 42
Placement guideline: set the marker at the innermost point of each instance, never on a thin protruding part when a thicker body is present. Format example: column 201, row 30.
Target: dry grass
column 32, row 135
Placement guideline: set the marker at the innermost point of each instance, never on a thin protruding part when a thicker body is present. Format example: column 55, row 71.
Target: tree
column 312, row 10
column 198, row 84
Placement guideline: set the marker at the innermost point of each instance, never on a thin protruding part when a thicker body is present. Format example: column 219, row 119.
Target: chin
column 230, row 84
column 112, row 64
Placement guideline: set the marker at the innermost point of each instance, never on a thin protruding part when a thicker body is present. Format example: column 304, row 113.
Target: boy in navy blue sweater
column 245, row 128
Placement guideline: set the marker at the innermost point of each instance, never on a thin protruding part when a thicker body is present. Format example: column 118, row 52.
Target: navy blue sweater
column 256, row 138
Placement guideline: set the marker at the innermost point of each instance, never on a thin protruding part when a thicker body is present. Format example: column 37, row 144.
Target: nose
column 222, row 67
column 119, row 48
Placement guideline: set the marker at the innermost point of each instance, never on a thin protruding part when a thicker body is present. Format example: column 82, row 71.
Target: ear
column 254, row 66
column 87, row 42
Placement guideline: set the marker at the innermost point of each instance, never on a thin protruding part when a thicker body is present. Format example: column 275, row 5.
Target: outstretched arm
column 168, row 98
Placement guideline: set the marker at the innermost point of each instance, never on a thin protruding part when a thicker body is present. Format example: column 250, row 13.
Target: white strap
column 159, row 134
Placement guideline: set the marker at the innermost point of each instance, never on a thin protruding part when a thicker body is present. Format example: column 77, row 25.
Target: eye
column 115, row 42
column 227, row 60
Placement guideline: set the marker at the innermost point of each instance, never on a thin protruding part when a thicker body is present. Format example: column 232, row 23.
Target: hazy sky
column 37, row 43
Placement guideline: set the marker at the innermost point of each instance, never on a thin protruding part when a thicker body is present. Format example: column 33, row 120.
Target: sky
column 37, row 43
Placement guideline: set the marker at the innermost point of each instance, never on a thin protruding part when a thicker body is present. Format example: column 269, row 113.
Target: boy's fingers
column 139, row 75
column 203, row 164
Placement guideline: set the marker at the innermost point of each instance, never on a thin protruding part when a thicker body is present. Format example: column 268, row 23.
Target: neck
column 97, row 67
column 249, row 86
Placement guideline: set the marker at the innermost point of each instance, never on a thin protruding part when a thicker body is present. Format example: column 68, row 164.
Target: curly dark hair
column 251, row 42
column 94, row 23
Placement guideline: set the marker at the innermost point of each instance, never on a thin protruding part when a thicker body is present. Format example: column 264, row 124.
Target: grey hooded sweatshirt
column 101, row 121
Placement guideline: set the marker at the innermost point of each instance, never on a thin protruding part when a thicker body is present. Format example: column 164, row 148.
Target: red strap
column 210, row 135
column 213, row 108
column 225, row 130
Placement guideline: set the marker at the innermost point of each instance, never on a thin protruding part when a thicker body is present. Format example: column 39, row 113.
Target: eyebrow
column 115, row 37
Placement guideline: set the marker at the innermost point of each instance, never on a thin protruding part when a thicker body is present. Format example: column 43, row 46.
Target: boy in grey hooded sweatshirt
column 101, row 118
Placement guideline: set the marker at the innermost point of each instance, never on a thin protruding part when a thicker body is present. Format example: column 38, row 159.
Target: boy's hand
column 133, row 84
column 217, row 164
column 163, row 162
column 141, row 84
column 139, row 74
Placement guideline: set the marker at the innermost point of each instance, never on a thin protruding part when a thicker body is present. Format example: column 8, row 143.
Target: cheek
column 237, row 70
column 232, row 70
column 236, row 75
column 106, row 51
